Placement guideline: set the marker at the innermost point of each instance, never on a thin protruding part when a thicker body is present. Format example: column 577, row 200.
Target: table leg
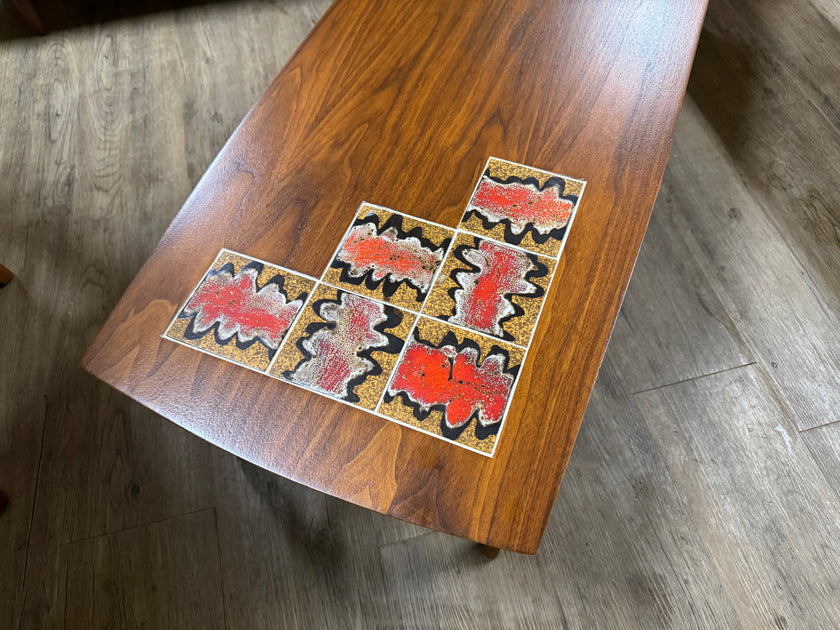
column 30, row 15
column 5, row 276
column 487, row 550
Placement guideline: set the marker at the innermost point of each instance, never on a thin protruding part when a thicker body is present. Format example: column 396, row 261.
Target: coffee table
column 395, row 318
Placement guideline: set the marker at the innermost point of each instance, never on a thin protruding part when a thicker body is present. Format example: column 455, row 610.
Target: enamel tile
column 344, row 345
column 523, row 206
column 389, row 256
column 491, row 288
column 453, row 384
column 241, row 310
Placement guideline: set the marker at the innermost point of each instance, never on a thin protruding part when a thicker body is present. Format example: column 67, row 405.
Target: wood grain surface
column 401, row 105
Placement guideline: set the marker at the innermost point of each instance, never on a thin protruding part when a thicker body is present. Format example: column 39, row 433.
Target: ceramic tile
column 344, row 345
column 241, row 310
column 523, row 206
column 453, row 384
column 491, row 288
column 389, row 256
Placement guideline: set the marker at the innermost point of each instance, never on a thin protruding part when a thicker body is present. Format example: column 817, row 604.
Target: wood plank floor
column 704, row 490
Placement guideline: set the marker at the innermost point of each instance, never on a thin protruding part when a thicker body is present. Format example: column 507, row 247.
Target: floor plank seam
column 221, row 570
column 32, row 516
column 819, row 426
column 402, row 540
column 693, row 378
column 138, row 526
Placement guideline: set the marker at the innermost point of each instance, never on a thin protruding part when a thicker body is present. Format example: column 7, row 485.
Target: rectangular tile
column 344, row 346
column 241, row 310
column 491, row 288
column 523, row 206
column 453, row 384
column 389, row 256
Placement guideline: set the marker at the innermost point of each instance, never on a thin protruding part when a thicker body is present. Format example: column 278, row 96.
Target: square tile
column 523, row 206
column 492, row 288
column 389, row 256
column 344, row 345
column 453, row 384
column 241, row 310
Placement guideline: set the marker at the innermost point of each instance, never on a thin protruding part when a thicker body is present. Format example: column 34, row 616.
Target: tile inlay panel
column 412, row 321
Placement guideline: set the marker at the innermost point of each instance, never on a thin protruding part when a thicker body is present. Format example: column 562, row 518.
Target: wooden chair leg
column 487, row 550
column 5, row 276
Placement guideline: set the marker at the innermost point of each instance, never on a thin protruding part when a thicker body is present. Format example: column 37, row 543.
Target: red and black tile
column 416, row 322
column 523, row 206
column 389, row 256
column 241, row 310
column 491, row 288
column 453, row 384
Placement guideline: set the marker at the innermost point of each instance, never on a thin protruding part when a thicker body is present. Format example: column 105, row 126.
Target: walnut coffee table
column 396, row 282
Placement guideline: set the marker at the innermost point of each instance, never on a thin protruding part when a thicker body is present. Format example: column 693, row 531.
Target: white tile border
column 484, row 237
column 404, row 214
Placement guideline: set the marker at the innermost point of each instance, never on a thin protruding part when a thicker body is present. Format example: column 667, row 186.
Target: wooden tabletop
column 401, row 104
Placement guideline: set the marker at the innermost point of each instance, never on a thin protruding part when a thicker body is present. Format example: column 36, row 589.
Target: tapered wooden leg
column 487, row 550
column 30, row 15
column 5, row 276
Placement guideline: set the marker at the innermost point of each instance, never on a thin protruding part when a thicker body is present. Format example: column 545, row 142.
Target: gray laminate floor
column 704, row 490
